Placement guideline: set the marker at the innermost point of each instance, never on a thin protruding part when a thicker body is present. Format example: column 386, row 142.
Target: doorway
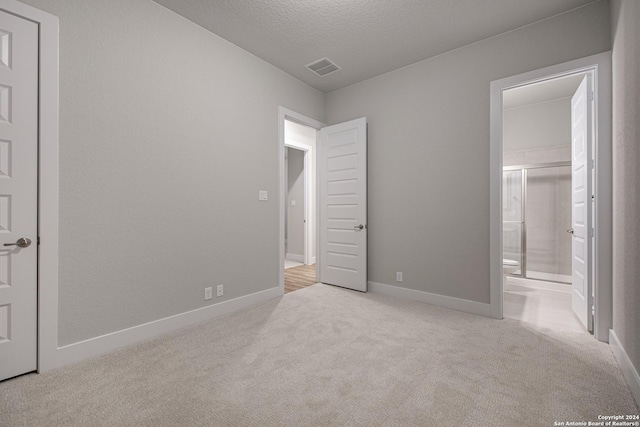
column 341, row 200
column 537, row 203
column 300, row 206
column 594, row 219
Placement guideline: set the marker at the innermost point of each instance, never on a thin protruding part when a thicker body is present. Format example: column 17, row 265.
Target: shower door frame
column 523, row 215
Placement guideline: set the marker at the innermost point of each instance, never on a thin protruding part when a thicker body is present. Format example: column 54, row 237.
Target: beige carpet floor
column 325, row 356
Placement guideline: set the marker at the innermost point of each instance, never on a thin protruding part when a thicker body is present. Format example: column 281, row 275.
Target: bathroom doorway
column 540, row 140
column 591, row 292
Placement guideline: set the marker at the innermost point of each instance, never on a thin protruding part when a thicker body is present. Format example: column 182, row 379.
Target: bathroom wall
column 538, row 125
column 537, row 133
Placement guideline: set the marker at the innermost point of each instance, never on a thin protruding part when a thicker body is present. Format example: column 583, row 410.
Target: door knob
column 23, row 242
column 570, row 231
column 358, row 227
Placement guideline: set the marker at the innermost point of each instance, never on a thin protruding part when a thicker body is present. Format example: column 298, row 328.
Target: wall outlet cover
column 208, row 293
column 220, row 290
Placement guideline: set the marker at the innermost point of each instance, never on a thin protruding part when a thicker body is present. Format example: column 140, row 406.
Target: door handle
column 23, row 242
column 570, row 231
column 358, row 227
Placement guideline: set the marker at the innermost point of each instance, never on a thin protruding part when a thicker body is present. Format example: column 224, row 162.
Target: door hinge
column 592, row 164
column 38, row 240
column 590, row 96
column 592, row 232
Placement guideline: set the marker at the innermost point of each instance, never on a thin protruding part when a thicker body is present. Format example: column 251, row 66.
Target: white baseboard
column 467, row 306
column 295, row 257
column 313, row 260
column 106, row 343
column 628, row 370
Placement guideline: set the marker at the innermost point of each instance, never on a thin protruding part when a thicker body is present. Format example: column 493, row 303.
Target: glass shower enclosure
column 536, row 213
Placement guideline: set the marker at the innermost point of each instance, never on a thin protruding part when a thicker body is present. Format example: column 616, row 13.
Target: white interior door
column 342, row 178
column 581, row 202
column 18, row 194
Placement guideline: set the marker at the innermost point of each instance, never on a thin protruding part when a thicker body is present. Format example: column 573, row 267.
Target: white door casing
column 18, row 194
column 581, row 221
column 342, row 177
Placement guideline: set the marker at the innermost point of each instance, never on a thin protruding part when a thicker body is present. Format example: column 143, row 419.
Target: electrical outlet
column 263, row 195
column 219, row 290
column 398, row 276
column 208, row 293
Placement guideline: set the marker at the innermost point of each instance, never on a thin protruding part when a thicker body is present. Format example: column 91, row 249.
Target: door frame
column 48, row 123
column 307, row 150
column 290, row 115
column 600, row 66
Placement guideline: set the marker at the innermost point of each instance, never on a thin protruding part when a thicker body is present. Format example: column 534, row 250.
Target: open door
column 581, row 223
column 342, row 178
column 18, row 196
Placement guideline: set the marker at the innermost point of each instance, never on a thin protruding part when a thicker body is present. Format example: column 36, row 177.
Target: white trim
column 312, row 260
column 295, row 257
column 308, row 186
column 47, row 179
column 297, row 145
column 629, row 372
column 600, row 65
column 452, row 303
column 286, row 114
column 103, row 344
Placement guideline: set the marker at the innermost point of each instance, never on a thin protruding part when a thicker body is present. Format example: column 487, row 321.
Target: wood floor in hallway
column 299, row 277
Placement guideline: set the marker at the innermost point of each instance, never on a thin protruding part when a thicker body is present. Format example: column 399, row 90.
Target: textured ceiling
column 363, row 37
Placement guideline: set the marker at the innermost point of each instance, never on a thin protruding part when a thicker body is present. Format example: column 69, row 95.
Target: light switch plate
column 263, row 195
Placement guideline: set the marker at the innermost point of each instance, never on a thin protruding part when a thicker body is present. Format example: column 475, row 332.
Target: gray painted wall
column 295, row 193
column 428, row 153
column 625, row 18
column 167, row 132
column 537, row 125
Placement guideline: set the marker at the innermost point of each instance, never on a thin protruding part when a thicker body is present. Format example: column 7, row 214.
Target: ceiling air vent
column 323, row 67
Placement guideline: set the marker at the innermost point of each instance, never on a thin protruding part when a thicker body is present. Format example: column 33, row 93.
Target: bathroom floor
column 543, row 303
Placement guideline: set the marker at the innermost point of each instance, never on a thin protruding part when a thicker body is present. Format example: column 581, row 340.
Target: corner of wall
column 466, row 306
